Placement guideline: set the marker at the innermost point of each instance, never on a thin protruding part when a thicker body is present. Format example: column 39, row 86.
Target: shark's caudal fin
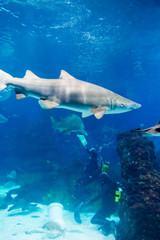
column 52, row 118
column 4, row 79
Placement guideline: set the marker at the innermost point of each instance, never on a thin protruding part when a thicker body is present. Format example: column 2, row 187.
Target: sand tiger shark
column 69, row 93
column 71, row 124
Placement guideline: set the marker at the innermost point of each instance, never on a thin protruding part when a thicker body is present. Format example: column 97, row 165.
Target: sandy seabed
column 20, row 225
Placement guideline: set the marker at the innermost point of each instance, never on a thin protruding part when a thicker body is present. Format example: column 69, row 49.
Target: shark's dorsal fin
column 99, row 111
column 158, row 123
column 65, row 75
column 29, row 74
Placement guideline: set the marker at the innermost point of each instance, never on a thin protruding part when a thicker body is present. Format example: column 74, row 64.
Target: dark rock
column 140, row 203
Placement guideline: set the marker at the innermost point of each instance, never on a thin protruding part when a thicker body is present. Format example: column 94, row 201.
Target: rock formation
column 139, row 209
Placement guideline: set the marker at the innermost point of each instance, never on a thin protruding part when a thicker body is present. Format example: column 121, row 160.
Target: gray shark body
column 69, row 93
column 151, row 132
column 71, row 124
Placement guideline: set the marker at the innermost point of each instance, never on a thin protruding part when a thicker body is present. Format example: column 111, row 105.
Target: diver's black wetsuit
column 107, row 196
column 90, row 174
column 108, row 205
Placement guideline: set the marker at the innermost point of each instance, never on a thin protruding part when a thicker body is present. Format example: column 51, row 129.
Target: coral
column 139, row 209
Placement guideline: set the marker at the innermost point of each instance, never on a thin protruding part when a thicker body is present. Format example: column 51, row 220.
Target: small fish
column 55, row 226
column 68, row 125
column 52, row 226
column 152, row 131
column 69, row 93
column 3, row 119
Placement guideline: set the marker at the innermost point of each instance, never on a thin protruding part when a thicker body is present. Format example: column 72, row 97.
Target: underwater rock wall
column 139, row 209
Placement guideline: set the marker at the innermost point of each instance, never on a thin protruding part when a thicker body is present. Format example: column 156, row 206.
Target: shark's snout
column 136, row 106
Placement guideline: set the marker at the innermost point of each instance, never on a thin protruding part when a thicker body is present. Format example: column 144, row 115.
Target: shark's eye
column 122, row 105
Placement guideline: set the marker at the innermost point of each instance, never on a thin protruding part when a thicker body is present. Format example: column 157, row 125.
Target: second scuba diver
column 90, row 173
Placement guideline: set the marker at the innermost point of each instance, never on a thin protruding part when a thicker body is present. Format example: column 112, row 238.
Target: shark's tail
column 54, row 122
column 4, row 79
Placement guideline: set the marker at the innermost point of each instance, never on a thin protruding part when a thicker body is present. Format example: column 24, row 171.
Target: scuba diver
column 108, row 204
column 108, row 201
column 91, row 171
column 90, row 174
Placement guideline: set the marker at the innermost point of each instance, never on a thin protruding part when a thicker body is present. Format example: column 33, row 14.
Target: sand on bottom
column 29, row 226
column 25, row 225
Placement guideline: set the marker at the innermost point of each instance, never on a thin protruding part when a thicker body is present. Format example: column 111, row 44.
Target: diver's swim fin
column 77, row 216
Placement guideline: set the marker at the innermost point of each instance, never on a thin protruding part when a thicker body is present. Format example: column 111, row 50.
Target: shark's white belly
column 85, row 110
column 75, row 108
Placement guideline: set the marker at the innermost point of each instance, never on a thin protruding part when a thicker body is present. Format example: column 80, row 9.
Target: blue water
column 114, row 44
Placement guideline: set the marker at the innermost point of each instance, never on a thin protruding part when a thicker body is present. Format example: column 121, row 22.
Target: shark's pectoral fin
column 19, row 94
column 46, row 104
column 99, row 111
column 83, row 132
column 66, row 132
